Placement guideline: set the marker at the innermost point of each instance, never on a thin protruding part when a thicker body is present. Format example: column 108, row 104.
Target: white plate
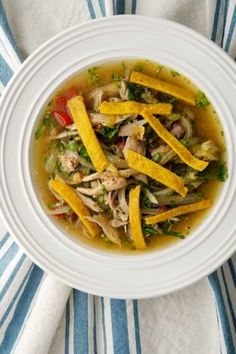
column 83, row 46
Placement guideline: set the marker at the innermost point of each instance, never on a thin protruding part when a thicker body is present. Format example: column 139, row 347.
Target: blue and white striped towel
column 200, row 319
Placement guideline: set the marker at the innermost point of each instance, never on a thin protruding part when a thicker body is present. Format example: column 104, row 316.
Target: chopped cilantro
column 115, row 77
column 108, row 132
column 94, row 77
column 147, row 230
column 174, row 73
column 167, row 232
column 157, row 157
column 83, row 153
column 134, row 91
column 159, row 69
column 73, row 146
column 201, row 99
column 59, row 146
column 214, row 171
column 47, row 122
column 167, row 99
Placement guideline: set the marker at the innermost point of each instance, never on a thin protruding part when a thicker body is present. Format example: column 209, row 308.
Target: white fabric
column 43, row 321
column 184, row 322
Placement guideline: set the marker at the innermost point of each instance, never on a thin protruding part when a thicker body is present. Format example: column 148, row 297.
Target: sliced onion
column 188, row 127
column 64, row 135
column 150, row 196
column 120, row 163
column 150, row 211
column 60, row 210
column 122, row 200
column 50, row 163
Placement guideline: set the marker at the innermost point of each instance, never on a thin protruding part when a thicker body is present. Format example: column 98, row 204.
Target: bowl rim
column 126, row 20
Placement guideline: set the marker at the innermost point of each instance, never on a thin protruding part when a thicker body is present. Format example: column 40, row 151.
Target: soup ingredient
column 47, row 123
column 201, row 99
column 177, row 147
column 74, row 201
column 184, row 209
column 110, row 232
column 78, row 111
column 162, row 86
column 135, row 218
column 127, row 152
column 133, row 107
column 62, row 118
column 156, row 171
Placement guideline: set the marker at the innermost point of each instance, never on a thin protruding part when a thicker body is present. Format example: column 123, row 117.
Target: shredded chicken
column 108, row 230
column 69, row 161
column 111, row 184
column 90, row 203
column 135, row 145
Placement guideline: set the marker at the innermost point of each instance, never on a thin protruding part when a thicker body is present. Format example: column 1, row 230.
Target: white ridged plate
column 97, row 272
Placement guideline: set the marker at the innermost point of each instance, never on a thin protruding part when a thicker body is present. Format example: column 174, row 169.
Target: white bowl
column 120, row 276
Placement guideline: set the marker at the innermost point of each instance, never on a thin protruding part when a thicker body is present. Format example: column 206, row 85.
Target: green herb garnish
column 73, row 146
column 201, row 99
column 94, row 77
column 115, row 77
column 47, row 122
column 174, row 73
column 134, row 91
column 108, row 132
column 167, row 232
column 157, row 157
column 83, row 153
column 147, row 230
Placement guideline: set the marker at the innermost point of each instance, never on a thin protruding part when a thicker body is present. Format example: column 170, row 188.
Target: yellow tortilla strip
column 156, row 171
column 184, row 209
column 78, row 111
column 174, row 143
column 163, row 86
column 135, row 218
column 76, row 204
column 133, row 107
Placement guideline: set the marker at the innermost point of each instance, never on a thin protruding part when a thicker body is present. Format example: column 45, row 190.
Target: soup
column 129, row 156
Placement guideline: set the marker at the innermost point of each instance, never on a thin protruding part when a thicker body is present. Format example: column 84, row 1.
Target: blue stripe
column 231, row 30
column 67, row 328
column 222, row 311
column 12, row 276
column 119, row 326
column 6, row 28
column 136, row 325
column 80, row 322
column 8, row 310
column 120, row 7
column 102, row 7
column 103, row 326
column 7, row 257
column 94, row 327
column 91, row 9
column 134, row 6
column 5, row 71
column 4, row 239
column 21, row 310
column 232, row 271
column 224, row 22
column 216, row 19
column 228, row 299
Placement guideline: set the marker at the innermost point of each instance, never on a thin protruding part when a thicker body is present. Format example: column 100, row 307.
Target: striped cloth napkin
column 38, row 314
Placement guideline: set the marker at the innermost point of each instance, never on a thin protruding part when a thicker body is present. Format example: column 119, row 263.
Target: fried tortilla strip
column 133, row 107
column 174, row 143
column 135, row 218
column 156, row 171
column 78, row 111
column 163, row 86
column 76, row 204
column 184, row 209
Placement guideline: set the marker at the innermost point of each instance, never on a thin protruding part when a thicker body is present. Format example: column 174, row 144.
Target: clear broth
column 208, row 127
